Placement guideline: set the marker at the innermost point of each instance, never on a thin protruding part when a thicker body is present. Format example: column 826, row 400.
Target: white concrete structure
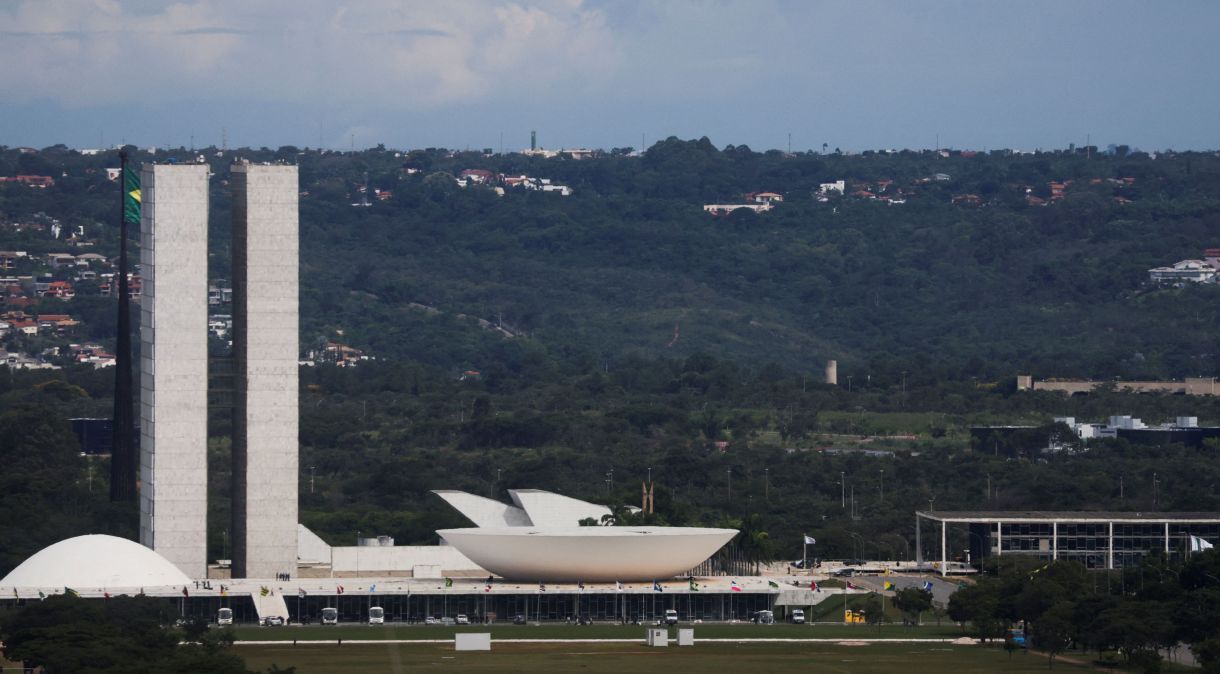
column 472, row 641
column 548, row 509
column 174, row 364
column 588, row 553
column 484, row 512
column 93, row 562
column 418, row 561
column 265, row 352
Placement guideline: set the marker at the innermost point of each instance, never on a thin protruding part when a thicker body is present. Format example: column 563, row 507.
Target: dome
column 588, row 553
column 95, row 561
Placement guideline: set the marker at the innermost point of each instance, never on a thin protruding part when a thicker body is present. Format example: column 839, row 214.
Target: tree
column 874, row 611
column 1054, row 630
column 913, row 601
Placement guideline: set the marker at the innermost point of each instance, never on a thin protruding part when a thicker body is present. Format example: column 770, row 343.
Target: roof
column 95, row 561
column 1067, row 515
column 483, row 512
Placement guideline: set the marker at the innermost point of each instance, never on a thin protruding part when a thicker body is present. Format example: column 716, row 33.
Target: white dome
column 95, row 561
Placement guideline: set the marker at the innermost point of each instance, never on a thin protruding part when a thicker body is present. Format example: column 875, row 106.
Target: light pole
column 767, row 484
column 881, row 487
column 357, row 553
column 842, row 490
column 1154, row 489
column 311, row 479
column 988, row 488
column 728, row 483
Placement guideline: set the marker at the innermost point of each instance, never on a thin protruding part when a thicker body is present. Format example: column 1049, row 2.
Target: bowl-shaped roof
column 95, row 561
column 588, row 553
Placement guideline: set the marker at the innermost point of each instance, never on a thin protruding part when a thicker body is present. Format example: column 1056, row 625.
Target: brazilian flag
column 131, row 195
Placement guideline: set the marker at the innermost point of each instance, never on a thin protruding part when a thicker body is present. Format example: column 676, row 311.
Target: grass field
column 706, row 631
column 617, row 658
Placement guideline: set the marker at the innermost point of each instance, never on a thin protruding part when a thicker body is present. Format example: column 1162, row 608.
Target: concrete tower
column 832, row 372
column 265, row 354
column 174, row 364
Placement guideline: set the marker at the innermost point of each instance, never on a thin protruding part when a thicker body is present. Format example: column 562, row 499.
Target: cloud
column 387, row 53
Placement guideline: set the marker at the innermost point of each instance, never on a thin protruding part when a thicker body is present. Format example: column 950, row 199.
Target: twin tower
column 174, row 367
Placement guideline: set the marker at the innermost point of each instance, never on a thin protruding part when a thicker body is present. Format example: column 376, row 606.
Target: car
column 432, row 621
column 671, row 616
column 764, row 618
column 273, row 621
column 462, row 619
column 519, row 619
column 797, row 617
column 843, row 573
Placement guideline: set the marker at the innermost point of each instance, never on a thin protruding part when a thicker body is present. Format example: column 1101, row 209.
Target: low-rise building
column 1184, row 272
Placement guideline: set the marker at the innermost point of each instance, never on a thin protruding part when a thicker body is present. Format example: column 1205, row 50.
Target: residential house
column 764, row 197
column 60, row 290
column 477, row 176
column 839, row 186
column 1181, row 273
column 725, row 209
column 26, row 327
column 8, row 258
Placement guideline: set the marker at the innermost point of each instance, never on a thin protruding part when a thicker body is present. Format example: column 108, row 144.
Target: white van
column 224, row 616
column 376, row 615
column 798, row 616
column 671, row 616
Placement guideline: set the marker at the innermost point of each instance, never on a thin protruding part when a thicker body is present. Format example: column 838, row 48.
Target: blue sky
column 606, row 73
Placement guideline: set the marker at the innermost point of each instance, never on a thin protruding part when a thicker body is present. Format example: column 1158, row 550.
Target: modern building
column 1186, row 271
column 1099, row 540
column 174, row 364
column 265, row 355
column 540, row 538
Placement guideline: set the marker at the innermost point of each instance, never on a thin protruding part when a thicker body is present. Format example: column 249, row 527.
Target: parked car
column 797, row 617
column 519, row 619
column 671, row 616
column 462, row 619
column 432, row 621
column 273, row 621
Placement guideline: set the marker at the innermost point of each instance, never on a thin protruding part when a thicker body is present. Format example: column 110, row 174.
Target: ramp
column 271, row 604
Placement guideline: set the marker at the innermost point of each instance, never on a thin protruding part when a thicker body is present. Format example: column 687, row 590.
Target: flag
column 734, row 586
column 68, row 590
column 41, row 595
column 1199, row 544
column 487, row 588
column 224, row 591
column 887, row 585
column 581, row 584
column 927, row 586
column 106, row 595
column 541, row 587
column 184, row 592
column 131, row 195
column 15, row 595
column 338, row 589
column 448, row 582
column 813, row 585
column 771, row 583
column 694, row 587
column 618, row 586
column 373, row 587
column 262, row 591
column 300, row 593
column 810, row 540
column 656, row 587
column 851, row 587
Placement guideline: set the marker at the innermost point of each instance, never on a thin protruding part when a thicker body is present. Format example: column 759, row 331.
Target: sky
column 770, row 74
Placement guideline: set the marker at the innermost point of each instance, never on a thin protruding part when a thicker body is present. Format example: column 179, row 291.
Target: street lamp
column 843, row 490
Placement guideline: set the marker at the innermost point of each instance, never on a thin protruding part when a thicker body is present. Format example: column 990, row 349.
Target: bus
column 376, row 615
column 330, row 616
column 224, row 616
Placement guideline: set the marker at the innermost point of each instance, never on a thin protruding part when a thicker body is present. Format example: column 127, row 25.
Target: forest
column 622, row 333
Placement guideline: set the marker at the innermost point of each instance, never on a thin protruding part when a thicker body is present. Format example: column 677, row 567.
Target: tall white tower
column 265, row 358
column 174, row 364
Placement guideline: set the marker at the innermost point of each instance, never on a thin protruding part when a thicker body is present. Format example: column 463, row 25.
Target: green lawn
column 707, row 631
column 620, row 658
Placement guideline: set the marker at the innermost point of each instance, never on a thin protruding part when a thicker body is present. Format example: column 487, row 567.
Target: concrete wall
column 265, row 352
column 174, row 364
column 398, row 560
